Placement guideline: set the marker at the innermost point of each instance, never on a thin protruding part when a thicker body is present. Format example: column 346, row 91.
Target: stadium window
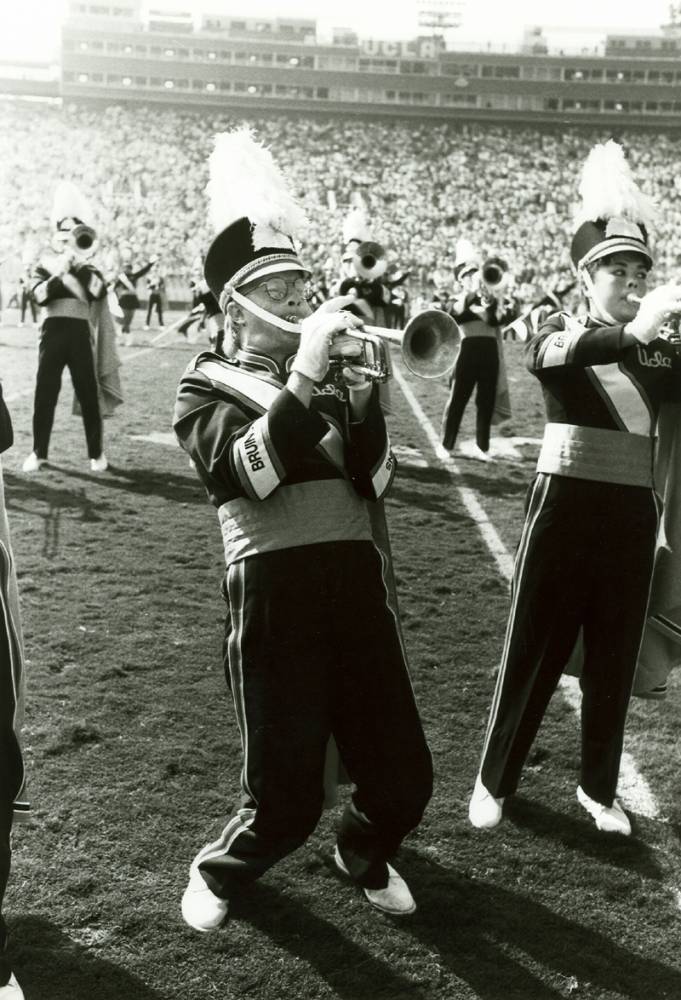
column 639, row 75
column 225, row 86
column 266, row 58
column 169, row 52
column 651, row 106
column 98, row 78
column 487, row 70
column 127, row 81
column 82, row 46
column 294, row 61
column 323, row 93
column 127, row 49
column 141, row 81
column 210, row 87
column 551, row 103
column 212, row 55
column 666, row 76
column 83, row 78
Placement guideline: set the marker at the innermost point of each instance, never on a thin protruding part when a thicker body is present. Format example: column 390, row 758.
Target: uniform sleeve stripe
column 382, row 474
column 254, row 460
column 558, row 348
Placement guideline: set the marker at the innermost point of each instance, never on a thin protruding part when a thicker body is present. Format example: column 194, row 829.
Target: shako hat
column 253, row 213
column 467, row 258
column 615, row 214
column 69, row 208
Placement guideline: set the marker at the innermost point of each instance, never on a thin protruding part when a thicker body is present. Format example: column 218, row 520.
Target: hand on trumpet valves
column 655, row 307
column 318, row 331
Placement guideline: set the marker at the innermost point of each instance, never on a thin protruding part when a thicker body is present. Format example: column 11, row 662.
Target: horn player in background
column 292, row 458
column 76, row 331
column 481, row 310
column 585, row 558
column 363, row 266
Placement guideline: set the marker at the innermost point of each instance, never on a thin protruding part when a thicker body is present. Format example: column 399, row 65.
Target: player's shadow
column 414, row 499
column 147, row 482
column 48, row 964
column 493, row 939
column 495, row 485
column 581, row 835
column 22, row 493
column 351, row 971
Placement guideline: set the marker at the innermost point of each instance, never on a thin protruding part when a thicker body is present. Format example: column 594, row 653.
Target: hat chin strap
column 263, row 314
column 594, row 299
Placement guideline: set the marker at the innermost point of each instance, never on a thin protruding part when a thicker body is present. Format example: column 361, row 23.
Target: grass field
column 134, row 754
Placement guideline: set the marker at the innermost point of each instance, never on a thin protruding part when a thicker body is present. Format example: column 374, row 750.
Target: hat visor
column 617, row 245
column 274, row 267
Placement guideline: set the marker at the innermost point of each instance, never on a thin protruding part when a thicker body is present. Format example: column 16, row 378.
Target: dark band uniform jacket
column 252, row 439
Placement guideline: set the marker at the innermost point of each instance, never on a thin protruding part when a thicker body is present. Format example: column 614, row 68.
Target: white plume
column 465, row 252
column 608, row 189
column 70, row 202
column 356, row 226
column 246, row 181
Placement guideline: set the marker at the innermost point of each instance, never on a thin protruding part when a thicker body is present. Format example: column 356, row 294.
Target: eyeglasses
column 277, row 288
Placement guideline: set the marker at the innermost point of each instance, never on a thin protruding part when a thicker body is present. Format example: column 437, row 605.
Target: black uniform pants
column 584, row 560
column 11, row 777
column 59, row 348
column 477, row 365
column 312, row 649
column 27, row 300
column 155, row 300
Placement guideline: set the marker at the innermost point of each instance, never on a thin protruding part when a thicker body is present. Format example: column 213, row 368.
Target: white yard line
column 633, row 789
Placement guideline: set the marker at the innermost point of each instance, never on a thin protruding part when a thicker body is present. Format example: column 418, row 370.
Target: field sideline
column 133, row 753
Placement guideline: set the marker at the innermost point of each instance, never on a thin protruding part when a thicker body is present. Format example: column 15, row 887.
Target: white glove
column 654, row 309
column 316, row 333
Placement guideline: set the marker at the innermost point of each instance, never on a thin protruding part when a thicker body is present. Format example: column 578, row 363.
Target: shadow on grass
column 352, row 972
column 417, row 500
column 49, row 965
column 505, row 944
column 581, row 835
column 22, row 493
column 146, row 482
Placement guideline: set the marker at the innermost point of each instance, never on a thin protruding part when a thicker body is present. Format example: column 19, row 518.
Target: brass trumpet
column 493, row 272
column 430, row 345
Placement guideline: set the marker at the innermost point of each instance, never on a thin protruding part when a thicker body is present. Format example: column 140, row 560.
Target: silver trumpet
column 430, row 345
column 369, row 260
column 82, row 239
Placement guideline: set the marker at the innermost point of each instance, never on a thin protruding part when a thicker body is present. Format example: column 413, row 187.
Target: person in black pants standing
column 585, row 556
column 155, row 284
column 27, row 298
column 481, row 311
column 65, row 288
column 125, row 290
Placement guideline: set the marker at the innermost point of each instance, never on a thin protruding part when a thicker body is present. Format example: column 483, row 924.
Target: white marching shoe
column 99, row 464
column 201, row 908
column 480, row 455
column 484, row 811
column 395, row 899
column 12, row 991
column 33, row 463
column 610, row 819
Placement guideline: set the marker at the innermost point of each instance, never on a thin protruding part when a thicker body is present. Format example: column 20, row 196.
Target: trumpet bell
column 430, row 343
column 369, row 260
column 83, row 238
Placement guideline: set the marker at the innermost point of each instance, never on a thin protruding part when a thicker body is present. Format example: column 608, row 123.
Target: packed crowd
column 510, row 190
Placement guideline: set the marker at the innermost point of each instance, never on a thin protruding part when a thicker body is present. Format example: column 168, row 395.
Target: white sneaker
column 12, row 991
column 33, row 463
column 145, row 327
column 611, row 819
column 480, row 455
column 395, row 899
column 99, row 464
column 201, row 908
column 484, row 811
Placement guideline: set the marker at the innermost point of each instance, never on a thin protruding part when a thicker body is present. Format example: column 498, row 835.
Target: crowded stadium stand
column 440, row 143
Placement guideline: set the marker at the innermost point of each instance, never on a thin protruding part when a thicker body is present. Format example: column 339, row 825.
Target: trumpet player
column 65, row 288
column 291, row 459
column 585, row 557
column 481, row 310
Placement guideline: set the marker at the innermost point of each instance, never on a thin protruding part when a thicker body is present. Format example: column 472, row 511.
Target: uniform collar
column 263, row 362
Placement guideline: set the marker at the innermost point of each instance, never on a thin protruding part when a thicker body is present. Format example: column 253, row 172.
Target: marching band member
column 363, row 265
column 155, row 286
column 125, row 290
column 481, row 311
column 72, row 294
column 292, row 458
column 11, row 712
column 585, row 555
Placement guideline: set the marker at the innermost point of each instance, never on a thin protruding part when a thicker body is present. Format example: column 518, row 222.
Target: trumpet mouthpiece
column 633, row 298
